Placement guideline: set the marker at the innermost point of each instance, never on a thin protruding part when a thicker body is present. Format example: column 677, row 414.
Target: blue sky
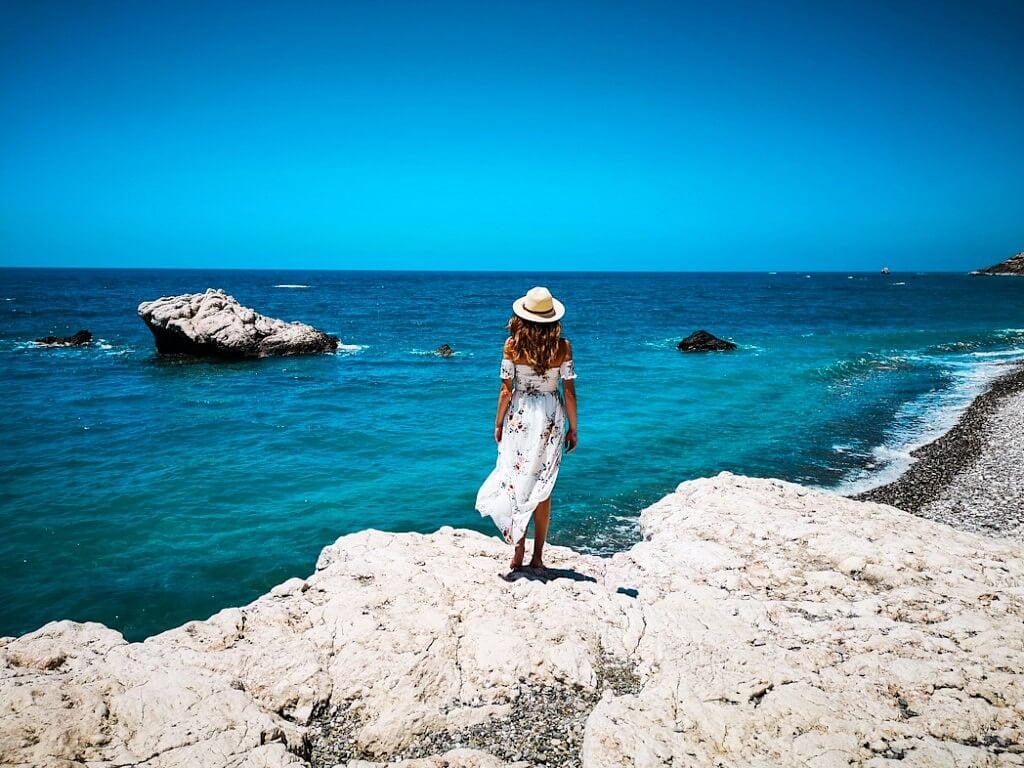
column 548, row 135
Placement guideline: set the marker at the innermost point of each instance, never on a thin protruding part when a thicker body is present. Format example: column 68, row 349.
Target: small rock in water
column 702, row 341
column 444, row 351
column 81, row 338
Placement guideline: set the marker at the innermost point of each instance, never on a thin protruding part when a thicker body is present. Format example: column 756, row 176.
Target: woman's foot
column 538, row 564
column 520, row 553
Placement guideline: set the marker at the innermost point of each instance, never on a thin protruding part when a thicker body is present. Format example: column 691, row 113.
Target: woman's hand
column 570, row 441
column 497, row 433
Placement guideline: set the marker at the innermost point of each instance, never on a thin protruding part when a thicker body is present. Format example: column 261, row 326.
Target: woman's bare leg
column 541, row 518
column 520, row 553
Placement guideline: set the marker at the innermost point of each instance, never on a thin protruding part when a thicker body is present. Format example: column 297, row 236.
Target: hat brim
column 519, row 308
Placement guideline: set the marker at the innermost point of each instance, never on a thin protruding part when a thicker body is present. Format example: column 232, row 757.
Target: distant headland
column 1012, row 266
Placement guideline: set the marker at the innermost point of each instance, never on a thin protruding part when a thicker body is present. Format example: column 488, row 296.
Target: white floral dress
column 530, row 450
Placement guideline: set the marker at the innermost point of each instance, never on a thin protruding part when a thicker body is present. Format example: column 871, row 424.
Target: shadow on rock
column 547, row 574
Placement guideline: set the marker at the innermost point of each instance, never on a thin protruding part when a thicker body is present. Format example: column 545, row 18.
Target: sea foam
column 929, row 416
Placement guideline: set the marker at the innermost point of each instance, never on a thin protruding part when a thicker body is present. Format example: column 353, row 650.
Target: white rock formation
column 216, row 325
column 771, row 626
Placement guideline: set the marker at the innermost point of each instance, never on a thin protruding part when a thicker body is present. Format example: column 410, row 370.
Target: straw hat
column 539, row 306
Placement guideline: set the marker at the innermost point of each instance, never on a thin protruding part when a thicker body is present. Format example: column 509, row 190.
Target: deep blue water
column 142, row 492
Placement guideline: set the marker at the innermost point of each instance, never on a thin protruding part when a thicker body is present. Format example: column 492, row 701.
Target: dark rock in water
column 702, row 341
column 444, row 351
column 213, row 324
column 81, row 338
column 1012, row 266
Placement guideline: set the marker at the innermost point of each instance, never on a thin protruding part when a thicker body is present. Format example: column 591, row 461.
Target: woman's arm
column 569, row 386
column 504, row 398
column 570, row 411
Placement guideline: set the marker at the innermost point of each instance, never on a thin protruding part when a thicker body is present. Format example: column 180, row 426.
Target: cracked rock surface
column 758, row 623
column 213, row 324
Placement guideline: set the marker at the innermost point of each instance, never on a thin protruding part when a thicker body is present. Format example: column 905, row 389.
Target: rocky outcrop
column 757, row 623
column 213, row 324
column 444, row 351
column 702, row 341
column 79, row 339
column 1012, row 266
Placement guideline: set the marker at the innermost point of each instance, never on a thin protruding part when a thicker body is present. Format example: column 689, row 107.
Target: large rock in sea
column 79, row 339
column 702, row 341
column 1012, row 266
column 754, row 623
column 213, row 324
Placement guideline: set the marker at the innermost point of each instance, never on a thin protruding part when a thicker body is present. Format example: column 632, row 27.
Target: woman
column 530, row 425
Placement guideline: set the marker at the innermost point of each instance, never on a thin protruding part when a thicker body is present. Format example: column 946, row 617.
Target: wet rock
column 702, row 341
column 444, row 351
column 79, row 339
column 213, row 324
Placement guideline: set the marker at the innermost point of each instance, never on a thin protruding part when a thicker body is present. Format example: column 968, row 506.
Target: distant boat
column 885, row 270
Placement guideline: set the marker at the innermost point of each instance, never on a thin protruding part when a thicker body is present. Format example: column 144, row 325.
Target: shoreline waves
column 972, row 476
column 924, row 420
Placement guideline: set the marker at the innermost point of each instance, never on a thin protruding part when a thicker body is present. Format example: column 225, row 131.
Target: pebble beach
column 972, row 477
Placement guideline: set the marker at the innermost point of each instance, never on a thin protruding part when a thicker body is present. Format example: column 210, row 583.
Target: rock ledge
column 757, row 623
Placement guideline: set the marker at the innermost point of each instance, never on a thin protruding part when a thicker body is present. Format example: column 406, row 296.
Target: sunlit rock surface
column 213, row 324
column 760, row 622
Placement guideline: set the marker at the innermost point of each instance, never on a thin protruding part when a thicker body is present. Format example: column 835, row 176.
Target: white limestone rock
column 213, row 324
column 772, row 625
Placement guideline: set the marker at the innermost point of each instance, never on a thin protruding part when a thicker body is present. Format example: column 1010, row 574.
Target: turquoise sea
column 144, row 492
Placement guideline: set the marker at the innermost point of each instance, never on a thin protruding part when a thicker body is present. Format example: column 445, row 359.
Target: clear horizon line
column 398, row 270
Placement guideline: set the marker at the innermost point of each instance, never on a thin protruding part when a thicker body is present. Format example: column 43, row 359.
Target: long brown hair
column 536, row 344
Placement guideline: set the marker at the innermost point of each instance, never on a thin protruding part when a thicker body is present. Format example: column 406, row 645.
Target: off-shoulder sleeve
column 508, row 370
column 567, row 370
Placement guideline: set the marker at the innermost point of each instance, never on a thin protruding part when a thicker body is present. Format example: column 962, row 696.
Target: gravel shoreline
column 544, row 727
column 972, row 477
